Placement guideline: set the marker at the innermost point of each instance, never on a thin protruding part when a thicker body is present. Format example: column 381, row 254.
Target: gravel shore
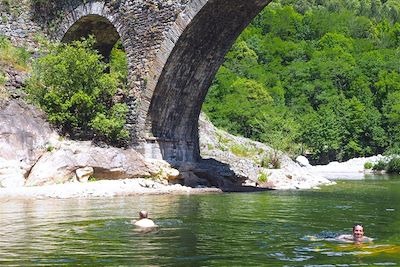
column 103, row 188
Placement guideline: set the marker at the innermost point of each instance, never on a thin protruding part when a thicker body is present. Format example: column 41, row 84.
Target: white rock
column 303, row 161
column 83, row 174
column 11, row 174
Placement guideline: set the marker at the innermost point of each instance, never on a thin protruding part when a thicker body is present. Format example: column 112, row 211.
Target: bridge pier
column 173, row 151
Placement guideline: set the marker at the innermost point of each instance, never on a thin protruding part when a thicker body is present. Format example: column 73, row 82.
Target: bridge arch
column 94, row 19
column 174, row 49
column 188, row 59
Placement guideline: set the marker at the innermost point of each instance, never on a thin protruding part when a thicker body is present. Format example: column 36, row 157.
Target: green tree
column 391, row 113
column 71, row 85
column 322, row 134
column 331, row 65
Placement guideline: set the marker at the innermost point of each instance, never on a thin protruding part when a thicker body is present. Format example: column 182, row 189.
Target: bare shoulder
column 144, row 223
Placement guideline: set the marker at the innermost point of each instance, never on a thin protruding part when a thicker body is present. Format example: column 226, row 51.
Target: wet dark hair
column 143, row 214
column 357, row 224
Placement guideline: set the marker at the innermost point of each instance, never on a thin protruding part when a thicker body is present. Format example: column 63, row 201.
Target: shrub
column 265, row 162
column 2, row 79
column 263, row 177
column 3, row 92
column 72, row 86
column 111, row 126
column 240, row 150
column 50, row 148
column 119, row 62
column 368, row 165
column 379, row 166
column 394, row 165
column 271, row 160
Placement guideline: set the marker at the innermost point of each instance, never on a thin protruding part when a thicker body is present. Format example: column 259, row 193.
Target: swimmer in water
column 143, row 221
column 357, row 237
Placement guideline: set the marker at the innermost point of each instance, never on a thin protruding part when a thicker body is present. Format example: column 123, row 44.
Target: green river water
column 274, row 228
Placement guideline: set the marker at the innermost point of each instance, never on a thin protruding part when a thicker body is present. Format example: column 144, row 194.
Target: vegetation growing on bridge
column 323, row 76
column 72, row 85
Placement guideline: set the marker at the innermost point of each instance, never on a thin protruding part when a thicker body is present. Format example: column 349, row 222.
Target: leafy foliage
column 319, row 77
column 368, row 165
column 16, row 57
column 72, row 86
column 394, row 165
column 379, row 166
column 263, row 177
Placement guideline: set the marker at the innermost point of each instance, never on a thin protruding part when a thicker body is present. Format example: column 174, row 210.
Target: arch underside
column 188, row 73
column 100, row 27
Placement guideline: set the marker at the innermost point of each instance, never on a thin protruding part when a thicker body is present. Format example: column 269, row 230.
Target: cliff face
column 16, row 22
column 24, row 134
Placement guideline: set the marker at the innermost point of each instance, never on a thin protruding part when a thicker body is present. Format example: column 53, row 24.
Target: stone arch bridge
column 173, row 47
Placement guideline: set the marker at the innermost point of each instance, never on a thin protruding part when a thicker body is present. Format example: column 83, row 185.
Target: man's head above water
column 143, row 214
column 358, row 231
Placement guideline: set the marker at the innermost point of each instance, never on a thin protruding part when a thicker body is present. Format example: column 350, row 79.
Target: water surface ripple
column 279, row 228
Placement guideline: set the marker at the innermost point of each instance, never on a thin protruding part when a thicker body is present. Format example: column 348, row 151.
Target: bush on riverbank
column 379, row 166
column 368, row 165
column 394, row 165
column 391, row 164
column 72, row 86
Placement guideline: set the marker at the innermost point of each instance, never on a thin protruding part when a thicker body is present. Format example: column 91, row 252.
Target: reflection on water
column 266, row 228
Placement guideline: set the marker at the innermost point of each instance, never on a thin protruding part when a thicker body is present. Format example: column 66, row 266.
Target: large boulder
column 61, row 165
column 303, row 161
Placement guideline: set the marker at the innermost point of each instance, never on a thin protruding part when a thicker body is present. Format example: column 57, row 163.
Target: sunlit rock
column 303, row 161
column 83, row 174
column 11, row 173
column 108, row 163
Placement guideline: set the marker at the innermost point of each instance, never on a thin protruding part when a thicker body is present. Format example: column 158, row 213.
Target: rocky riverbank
column 36, row 161
column 351, row 169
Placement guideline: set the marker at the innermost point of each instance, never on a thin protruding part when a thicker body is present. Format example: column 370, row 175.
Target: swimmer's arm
column 346, row 238
column 368, row 239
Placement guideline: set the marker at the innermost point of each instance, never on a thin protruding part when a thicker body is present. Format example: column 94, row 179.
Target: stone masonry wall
column 173, row 47
column 142, row 26
column 16, row 23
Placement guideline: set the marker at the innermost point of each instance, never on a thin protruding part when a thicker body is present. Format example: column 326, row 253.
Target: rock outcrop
column 252, row 160
column 32, row 154
column 24, row 136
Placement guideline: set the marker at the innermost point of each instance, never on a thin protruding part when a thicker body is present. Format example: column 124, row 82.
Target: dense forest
column 317, row 77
